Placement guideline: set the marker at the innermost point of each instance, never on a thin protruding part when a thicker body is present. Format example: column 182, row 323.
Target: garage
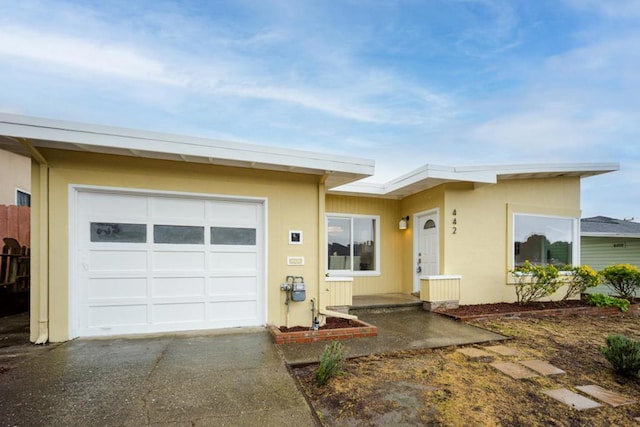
column 149, row 263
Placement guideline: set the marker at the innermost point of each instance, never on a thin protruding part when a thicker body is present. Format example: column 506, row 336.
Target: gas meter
column 299, row 292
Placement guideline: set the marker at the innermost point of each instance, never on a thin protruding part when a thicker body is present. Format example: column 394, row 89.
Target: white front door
column 427, row 248
column 154, row 263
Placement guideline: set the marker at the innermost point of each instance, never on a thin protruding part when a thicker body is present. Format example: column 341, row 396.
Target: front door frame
column 417, row 220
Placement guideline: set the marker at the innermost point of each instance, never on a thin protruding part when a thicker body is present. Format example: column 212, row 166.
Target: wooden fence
column 15, row 222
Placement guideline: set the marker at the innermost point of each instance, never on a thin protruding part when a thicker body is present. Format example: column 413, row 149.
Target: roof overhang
column 615, row 235
column 430, row 176
column 55, row 134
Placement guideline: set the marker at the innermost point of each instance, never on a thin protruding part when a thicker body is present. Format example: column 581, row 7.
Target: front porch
column 379, row 301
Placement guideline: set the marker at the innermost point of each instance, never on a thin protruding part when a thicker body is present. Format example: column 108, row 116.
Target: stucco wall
column 292, row 205
column 15, row 173
column 481, row 250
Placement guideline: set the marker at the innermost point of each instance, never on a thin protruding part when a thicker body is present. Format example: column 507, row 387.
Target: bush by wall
column 600, row 300
column 623, row 279
column 582, row 278
column 533, row 282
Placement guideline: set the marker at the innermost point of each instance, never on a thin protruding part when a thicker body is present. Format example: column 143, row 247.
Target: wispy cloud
column 403, row 82
column 626, row 9
column 90, row 55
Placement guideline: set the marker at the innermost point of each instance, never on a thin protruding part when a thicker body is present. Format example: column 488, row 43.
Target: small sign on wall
column 295, row 237
column 295, row 260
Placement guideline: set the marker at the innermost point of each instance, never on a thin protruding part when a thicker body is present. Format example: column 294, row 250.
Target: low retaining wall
column 361, row 331
column 634, row 310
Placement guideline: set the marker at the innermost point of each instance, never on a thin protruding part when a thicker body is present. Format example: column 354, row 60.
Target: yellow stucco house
column 140, row 232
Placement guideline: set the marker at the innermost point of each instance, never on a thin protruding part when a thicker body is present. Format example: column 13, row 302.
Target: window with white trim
column 545, row 240
column 353, row 243
column 23, row 198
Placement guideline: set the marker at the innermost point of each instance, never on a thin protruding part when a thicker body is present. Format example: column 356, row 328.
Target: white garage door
column 149, row 263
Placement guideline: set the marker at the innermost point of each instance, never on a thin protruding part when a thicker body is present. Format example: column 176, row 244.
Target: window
column 23, row 198
column 178, row 234
column 233, row 236
column 353, row 244
column 544, row 240
column 118, row 232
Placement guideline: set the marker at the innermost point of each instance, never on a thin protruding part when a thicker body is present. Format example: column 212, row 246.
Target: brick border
column 361, row 331
column 634, row 310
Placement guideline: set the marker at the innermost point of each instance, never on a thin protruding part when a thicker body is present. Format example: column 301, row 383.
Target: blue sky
column 406, row 83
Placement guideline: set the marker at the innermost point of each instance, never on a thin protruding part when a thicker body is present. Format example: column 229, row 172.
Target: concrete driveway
column 213, row 379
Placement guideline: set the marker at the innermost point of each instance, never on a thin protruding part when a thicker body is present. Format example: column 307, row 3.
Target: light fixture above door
column 404, row 223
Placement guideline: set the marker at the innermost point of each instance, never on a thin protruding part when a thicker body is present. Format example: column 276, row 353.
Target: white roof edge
column 595, row 234
column 514, row 169
column 474, row 174
column 74, row 133
column 421, row 174
column 439, row 172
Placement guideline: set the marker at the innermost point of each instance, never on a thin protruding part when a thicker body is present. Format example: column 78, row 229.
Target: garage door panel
column 234, row 261
column 178, row 208
column 234, row 286
column 179, row 312
column 117, row 287
column 178, row 287
column 178, row 261
column 117, row 315
column 233, row 311
column 118, row 260
column 225, row 212
column 105, row 205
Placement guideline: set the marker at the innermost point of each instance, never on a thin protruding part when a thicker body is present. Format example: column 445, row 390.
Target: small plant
column 600, row 300
column 622, row 278
column 330, row 362
column 582, row 278
column 624, row 355
column 533, row 282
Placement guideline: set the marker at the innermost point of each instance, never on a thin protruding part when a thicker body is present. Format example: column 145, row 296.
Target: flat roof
column 63, row 135
column 429, row 176
column 342, row 173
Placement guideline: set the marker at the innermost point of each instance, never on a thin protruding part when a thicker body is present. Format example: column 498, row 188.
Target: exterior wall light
column 404, row 223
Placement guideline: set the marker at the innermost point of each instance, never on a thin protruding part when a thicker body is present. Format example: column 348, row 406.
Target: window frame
column 575, row 235
column 377, row 245
column 20, row 190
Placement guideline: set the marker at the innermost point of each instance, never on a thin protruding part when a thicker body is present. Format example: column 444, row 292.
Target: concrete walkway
column 408, row 329
column 217, row 379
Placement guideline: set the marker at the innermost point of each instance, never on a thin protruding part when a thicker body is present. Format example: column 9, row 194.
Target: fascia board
column 93, row 137
column 445, row 173
column 625, row 235
column 394, row 188
column 586, row 168
column 361, row 188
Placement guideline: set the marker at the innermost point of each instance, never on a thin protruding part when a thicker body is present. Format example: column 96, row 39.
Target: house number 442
column 454, row 229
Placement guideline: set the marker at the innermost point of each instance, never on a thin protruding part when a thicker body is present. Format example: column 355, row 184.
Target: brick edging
column 634, row 309
column 301, row 337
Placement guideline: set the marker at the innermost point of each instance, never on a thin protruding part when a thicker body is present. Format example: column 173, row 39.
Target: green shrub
column 622, row 278
column 582, row 278
column 330, row 362
column 600, row 300
column 624, row 355
column 533, row 282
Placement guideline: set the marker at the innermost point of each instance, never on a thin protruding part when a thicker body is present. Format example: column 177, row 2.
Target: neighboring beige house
column 608, row 241
column 15, row 177
column 140, row 232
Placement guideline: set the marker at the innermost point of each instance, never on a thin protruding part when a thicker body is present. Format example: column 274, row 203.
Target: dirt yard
column 445, row 388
